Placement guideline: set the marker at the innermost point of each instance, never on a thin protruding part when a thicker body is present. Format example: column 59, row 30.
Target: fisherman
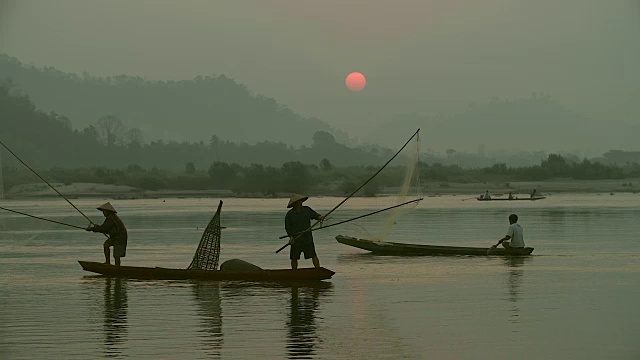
column 114, row 227
column 514, row 233
column 297, row 222
column 510, row 195
column 486, row 196
column 533, row 193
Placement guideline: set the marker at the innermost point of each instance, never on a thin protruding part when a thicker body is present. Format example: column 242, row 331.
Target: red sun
column 356, row 81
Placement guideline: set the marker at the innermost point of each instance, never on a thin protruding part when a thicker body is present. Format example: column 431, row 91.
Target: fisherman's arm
column 505, row 238
column 508, row 236
column 288, row 228
column 104, row 228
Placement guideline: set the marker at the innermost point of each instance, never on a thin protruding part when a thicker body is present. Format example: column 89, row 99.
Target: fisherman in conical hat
column 296, row 223
column 117, row 232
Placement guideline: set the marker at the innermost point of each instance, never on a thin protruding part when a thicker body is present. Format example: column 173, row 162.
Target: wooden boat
column 204, row 265
column 392, row 248
column 514, row 199
column 158, row 273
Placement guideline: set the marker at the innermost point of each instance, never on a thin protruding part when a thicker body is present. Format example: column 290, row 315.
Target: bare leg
column 107, row 253
column 316, row 261
column 294, row 264
column 117, row 261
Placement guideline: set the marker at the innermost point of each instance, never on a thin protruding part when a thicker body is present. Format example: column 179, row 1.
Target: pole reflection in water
column 514, row 280
column 115, row 315
column 304, row 304
column 210, row 309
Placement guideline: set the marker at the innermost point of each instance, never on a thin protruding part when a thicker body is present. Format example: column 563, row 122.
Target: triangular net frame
column 208, row 252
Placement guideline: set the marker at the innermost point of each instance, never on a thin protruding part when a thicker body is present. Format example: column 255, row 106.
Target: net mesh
column 410, row 187
column 208, row 252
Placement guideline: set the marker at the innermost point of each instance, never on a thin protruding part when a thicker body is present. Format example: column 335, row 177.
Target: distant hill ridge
column 185, row 110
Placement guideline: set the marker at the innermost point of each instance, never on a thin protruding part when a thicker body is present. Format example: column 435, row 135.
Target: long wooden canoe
column 514, row 199
column 392, row 248
column 137, row 272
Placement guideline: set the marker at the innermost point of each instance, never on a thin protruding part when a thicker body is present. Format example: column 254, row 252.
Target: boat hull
column 391, row 248
column 157, row 273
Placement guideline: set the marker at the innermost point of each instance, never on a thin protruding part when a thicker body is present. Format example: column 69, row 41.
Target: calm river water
column 576, row 297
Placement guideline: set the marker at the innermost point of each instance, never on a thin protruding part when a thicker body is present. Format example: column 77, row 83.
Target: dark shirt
column 299, row 221
column 114, row 227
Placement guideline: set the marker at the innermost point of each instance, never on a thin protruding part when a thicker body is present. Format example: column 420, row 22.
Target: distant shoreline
column 518, row 189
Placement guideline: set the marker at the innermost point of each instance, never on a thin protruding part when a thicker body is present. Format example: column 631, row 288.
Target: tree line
column 323, row 178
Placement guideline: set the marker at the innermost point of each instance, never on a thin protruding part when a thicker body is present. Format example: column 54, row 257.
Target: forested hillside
column 185, row 110
column 48, row 140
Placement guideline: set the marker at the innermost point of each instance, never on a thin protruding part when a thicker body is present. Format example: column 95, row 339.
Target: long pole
column 37, row 217
column 41, row 178
column 358, row 217
column 356, row 190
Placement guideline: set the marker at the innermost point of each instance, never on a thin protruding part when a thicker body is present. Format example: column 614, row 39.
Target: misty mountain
column 47, row 140
column 531, row 124
column 186, row 110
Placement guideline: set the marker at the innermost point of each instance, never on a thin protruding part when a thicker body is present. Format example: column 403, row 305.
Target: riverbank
column 520, row 189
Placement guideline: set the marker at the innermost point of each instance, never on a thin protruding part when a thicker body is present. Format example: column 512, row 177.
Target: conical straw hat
column 107, row 207
column 296, row 197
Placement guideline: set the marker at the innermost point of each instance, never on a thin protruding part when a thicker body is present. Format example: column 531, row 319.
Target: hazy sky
column 423, row 56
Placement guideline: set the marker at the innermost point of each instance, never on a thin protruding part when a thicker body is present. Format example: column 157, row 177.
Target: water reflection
column 304, row 304
column 115, row 315
column 515, row 276
column 207, row 296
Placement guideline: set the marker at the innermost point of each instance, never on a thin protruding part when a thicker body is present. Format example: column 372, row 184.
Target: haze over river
column 576, row 297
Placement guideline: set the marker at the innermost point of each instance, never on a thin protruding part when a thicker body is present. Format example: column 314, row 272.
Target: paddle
column 493, row 247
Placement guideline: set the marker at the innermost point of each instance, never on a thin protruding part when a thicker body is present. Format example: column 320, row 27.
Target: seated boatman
column 114, row 227
column 514, row 233
column 296, row 222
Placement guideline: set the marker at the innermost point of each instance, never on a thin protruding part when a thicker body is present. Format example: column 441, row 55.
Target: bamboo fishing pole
column 37, row 217
column 355, row 218
column 41, row 178
column 356, row 190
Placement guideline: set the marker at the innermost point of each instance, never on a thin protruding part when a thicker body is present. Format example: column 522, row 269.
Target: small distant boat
column 513, row 199
column 392, row 248
column 158, row 273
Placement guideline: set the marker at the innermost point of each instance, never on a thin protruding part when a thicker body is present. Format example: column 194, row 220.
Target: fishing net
column 408, row 188
column 208, row 252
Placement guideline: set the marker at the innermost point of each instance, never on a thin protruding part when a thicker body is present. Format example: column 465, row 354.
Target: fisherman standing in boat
column 486, row 196
column 297, row 222
column 114, row 227
column 514, row 233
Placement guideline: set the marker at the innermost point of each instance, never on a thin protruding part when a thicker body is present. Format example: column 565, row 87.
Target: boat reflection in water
column 207, row 295
column 115, row 315
column 303, row 306
column 515, row 276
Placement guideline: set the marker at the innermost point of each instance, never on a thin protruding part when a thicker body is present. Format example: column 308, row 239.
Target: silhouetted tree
column 325, row 165
column 222, row 174
column 296, row 176
column 190, row 168
column 110, row 130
